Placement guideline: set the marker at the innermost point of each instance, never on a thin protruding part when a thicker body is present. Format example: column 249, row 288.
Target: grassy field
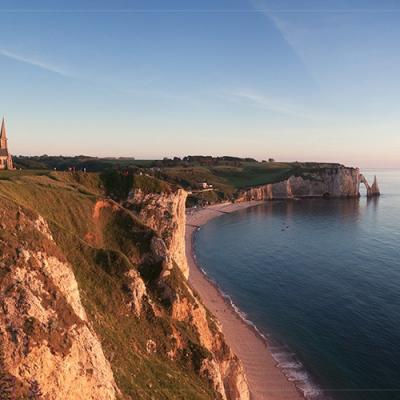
column 253, row 174
column 228, row 179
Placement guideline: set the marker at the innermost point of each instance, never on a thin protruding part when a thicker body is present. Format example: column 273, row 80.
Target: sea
column 320, row 280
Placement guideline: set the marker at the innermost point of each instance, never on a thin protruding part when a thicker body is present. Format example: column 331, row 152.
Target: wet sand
column 266, row 381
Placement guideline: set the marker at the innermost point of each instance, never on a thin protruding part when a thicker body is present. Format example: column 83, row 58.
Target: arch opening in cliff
column 363, row 189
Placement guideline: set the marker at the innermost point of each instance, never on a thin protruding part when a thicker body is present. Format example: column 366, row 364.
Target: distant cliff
column 334, row 181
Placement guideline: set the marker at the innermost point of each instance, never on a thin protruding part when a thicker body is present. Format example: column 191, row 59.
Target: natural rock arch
column 372, row 190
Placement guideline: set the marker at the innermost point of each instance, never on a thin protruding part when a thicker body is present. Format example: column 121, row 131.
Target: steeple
column 5, row 157
column 3, row 135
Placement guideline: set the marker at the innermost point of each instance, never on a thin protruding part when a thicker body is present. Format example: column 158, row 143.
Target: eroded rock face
column 165, row 214
column 137, row 290
column 210, row 370
column 223, row 369
column 45, row 335
column 338, row 181
column 375, row 188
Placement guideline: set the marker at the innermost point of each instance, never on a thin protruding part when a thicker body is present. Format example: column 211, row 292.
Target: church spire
column 3, row 127
column 3, row 135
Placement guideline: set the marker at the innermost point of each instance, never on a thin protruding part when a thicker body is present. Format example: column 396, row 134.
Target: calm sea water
column 321, row 279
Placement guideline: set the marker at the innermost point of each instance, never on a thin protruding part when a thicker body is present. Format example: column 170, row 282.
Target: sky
column 293, row 80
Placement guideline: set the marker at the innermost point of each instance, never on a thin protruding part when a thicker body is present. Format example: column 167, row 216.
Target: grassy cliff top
column 115, row 177
column 227, row 179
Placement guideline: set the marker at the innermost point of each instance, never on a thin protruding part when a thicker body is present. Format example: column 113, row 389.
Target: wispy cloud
column 279, row 23
column 291, row 34
column 140, row 89
column 257, row 100
column 35, row 63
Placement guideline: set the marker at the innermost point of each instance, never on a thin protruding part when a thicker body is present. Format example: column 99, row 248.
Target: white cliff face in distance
column 335, row 181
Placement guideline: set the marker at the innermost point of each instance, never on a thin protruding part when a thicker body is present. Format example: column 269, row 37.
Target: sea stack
column 374, row 189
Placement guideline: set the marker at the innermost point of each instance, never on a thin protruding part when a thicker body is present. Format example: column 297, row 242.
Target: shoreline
column 266, row 380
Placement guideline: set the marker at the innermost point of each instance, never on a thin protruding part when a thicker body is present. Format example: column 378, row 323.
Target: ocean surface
column 320, row 279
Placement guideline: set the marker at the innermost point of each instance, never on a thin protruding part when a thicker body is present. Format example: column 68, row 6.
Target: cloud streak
column 35, row 63
column 98, row 83
column 290, row 35
column 262, row 102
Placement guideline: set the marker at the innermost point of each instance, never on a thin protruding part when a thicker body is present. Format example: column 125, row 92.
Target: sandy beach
column 266, row 381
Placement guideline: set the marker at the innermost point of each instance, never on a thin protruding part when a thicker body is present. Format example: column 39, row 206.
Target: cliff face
column 165, row 213
column 337, row 181
column 47, row 342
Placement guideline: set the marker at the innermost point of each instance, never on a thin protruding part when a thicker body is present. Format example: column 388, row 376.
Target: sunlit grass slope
column 101, row 246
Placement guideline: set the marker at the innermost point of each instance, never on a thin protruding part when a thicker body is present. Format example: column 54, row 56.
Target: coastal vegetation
column 208, row 179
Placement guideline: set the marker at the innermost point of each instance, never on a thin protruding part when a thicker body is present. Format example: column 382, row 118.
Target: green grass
column 192, row 177
column 9, row 175
column 225, row 179
column 55, row 201
column 118, row 184
column 253, row 174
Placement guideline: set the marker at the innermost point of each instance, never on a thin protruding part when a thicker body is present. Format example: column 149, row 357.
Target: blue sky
column 293, row 80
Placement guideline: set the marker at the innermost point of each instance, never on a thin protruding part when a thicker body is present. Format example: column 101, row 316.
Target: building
column 5, row 157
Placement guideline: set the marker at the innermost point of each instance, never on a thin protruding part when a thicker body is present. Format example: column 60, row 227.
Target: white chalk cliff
column 333, row 181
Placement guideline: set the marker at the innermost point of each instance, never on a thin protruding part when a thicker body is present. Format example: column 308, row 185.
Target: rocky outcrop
column 333, row 181
column 372, row 190
column 165, row 214
column 137, row 291
column 221, row 368
column 46, row 339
